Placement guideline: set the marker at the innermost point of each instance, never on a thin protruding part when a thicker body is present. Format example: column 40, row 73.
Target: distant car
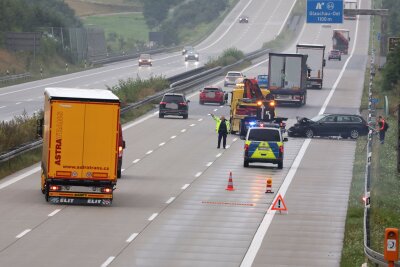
column 231, row 77
column 187, row 49
column 213, row 94
column 335, row 54
column 262, row 80
column 344, row 125
column 192, row 55
column 243, row 19
column 174, row 104
column 145, row 59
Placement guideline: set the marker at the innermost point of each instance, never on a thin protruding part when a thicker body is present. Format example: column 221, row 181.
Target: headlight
column 196, row 55
column 252, row 123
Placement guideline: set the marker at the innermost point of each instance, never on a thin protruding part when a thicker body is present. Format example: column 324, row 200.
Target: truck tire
column 119, row 174
column 304, row 101
column 46, row 193
column 245, row 163
column 185, row 116
column 160, row 115
column 280, row 165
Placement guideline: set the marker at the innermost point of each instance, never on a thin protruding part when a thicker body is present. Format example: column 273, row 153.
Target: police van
column 264, row 144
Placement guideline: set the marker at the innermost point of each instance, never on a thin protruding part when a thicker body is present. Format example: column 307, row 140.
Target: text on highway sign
column 325, row 11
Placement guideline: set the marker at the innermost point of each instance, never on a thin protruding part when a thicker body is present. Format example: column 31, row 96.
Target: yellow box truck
column 81, row 138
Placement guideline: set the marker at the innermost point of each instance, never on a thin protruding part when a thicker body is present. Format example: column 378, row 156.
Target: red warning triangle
column 279, row 204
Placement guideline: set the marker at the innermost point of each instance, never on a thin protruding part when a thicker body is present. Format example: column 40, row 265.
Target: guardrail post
column 66, row 67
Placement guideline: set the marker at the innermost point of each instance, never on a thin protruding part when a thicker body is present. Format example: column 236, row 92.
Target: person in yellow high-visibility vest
column 222, row 127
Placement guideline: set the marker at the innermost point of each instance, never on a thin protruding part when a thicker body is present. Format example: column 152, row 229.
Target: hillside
column 85, row 8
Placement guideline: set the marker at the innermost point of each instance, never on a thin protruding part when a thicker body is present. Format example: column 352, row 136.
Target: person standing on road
column 222, row 127
column 382, row 129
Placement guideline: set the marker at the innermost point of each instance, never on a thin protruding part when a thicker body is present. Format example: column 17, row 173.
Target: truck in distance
column 287, row 78
column 315, row 63
column 81, row 145
column 350, row 4
column 341, row 40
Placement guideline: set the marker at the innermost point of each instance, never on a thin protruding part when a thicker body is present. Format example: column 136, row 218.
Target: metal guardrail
column 182, row 83
column 14, row 77
column 372, row 255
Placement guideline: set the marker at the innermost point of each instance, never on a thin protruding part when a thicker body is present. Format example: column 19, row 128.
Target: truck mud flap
column 80, row 201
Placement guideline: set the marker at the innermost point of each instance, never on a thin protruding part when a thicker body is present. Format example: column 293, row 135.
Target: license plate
column 172, row 106
column 283, row 96
column 211, row 95
column 264, row 148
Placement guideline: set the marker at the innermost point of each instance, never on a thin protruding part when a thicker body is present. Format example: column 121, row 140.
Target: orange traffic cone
column 229, row 187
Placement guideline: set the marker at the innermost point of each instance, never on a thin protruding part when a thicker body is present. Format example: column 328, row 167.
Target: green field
column 131, row 28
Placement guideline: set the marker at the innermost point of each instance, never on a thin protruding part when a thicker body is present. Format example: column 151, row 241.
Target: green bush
column 229, row 56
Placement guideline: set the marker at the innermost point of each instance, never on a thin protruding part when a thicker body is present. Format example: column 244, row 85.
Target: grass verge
column 20, row 162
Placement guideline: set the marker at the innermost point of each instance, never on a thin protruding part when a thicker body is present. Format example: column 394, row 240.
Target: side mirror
column 285, row 139
column 324, row 62
column 123, row 144
column 349, row 39
column 188, row 101
column 39, row 127
column 226, row 97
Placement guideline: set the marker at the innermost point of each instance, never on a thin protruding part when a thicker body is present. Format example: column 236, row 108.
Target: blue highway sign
column 325, row 11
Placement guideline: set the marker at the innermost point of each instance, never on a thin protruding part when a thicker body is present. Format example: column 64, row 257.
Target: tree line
column 28, row 15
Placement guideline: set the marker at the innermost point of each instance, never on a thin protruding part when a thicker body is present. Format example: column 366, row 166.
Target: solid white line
column 133, row 236
column 185, row 186
column 183, row 130
column 218, row 155
column 284, row 22
column 20, row 177
column 149, row 152
column 54, row 213
column 161, row 144
column 23, row 233
column 266, row 222
column 173, row 137
column 169, row 201
column 209, row 164
column 138, row 121
column 191, row 125
column 136, row 161
column 108, row 261
column 152, row 216
column 122, row 170
column 198, row 174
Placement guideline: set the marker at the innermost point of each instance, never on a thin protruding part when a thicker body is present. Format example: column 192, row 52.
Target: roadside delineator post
column 269, row 186
column 229, row 187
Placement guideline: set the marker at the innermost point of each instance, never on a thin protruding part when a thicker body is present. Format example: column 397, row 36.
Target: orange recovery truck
column 81, row 145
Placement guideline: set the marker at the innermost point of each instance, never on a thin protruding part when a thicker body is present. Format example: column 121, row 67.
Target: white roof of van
column 80, row 93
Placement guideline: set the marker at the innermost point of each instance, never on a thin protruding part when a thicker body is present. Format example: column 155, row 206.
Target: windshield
column 318, row 117
column 235, row 74
column 264, row 134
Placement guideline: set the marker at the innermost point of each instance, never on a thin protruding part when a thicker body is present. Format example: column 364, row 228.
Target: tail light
column 281, row 150
column 246, row 147
column 183, row 104
column 282, row 125
column 120, row 151
column 163, row 103
column 106, row 190
column 55, row 188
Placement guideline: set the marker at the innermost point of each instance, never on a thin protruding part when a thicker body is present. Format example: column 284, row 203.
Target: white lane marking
column 18, row 103
column 19, row 177
column 153, row 216
column 138, row 121
column 135, row 161
column 284, row 22
column 54, row 213
column 218, row 155
column 132, row 236
column 173, row 137
column 161, row 144
column 108, row 261
column 29, row 100
column 183, row 130
column 191, row 125
column 149, row 152
column 266, row 222
column 169, row 201
column 2, row 106
column 200, row 119
column 155, row 113
column 227, row 146
column 23, row 233
column 215, row 109
column 235, row 139
column 198, row 174
column 227, row 30
column 209, row 164
column 185, row 186
column 122, row 170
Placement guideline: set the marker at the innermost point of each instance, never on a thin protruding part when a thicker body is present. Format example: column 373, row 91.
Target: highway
column 266, row 21
column 171, row 207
